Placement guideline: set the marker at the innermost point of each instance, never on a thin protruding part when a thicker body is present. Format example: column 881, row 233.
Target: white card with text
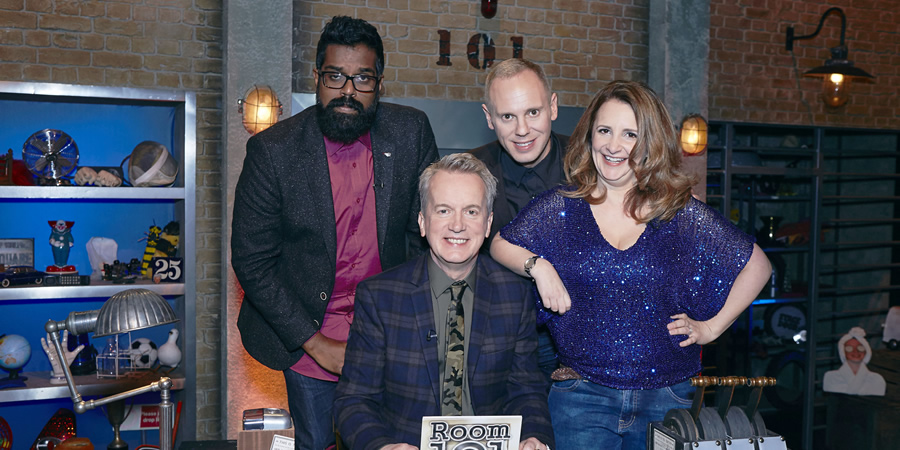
column 471, row 432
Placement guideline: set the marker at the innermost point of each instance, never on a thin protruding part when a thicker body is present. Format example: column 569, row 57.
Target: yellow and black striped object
column 150, row 250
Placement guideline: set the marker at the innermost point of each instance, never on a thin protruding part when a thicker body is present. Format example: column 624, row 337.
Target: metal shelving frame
column 731, row 140
column 837, row 263
column 183, row 198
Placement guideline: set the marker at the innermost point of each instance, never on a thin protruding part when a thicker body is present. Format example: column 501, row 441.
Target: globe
column 14, row 352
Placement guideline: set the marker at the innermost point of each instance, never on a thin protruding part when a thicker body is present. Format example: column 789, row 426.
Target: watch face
column 529, row 264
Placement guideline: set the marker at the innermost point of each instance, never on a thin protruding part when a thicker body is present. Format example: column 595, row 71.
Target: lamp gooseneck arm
column 166, row 407
column 152, row 387
column 164, row 386
column 53, row 328
column 789, row 44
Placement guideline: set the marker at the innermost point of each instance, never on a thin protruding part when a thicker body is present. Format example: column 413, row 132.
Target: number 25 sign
column 167, row 270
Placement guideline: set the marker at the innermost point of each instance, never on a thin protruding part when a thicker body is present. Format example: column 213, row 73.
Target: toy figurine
column 169, row 354
column 61, row 241
column 853, row 377
column 167, row 243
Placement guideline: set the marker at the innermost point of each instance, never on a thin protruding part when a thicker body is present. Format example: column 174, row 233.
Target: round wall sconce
column 259, row 108
column 693, row 136
column 838, row 72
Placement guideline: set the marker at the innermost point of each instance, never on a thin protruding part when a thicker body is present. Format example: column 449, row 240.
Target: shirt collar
column 440, row 282
column 332, row 147
column 544, row 170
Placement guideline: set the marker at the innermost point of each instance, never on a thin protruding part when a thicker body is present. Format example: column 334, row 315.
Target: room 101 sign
column 479, row 43
column 471, row 432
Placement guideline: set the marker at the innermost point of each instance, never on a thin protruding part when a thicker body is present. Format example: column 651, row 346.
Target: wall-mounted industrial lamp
column 259, row 108
column 693, row 136
column 838, row 72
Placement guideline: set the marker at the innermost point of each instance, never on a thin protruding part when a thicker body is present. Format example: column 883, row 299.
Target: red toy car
column 15, row 275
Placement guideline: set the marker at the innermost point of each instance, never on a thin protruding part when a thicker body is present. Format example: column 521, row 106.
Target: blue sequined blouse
column 615, row 334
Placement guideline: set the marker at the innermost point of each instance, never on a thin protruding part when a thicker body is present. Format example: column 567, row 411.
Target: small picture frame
column 17, row 252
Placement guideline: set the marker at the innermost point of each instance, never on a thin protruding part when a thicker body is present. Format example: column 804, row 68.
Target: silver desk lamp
column 129, row 310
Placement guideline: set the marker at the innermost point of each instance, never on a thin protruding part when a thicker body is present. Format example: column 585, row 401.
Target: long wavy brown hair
column 662, row 187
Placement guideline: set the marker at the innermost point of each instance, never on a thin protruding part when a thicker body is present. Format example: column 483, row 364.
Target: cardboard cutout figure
column 853, row 377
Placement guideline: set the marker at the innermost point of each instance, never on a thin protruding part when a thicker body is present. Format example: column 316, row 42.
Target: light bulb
column 692, row 137
column 835, row 89
column 693, row 134
column 263, row 113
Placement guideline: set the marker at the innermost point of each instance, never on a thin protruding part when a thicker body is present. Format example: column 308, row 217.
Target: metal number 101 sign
column 474, row 47
column 167, row 270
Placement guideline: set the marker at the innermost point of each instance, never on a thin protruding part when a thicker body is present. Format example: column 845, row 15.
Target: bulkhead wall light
column 259, row 108
column 838, row 72
column 693, row 134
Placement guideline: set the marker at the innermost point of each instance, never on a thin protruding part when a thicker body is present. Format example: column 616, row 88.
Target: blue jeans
column 310, row 402
column 587, row 415
column 547, row 360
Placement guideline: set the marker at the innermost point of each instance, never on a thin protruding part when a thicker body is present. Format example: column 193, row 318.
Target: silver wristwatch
column 529, row 264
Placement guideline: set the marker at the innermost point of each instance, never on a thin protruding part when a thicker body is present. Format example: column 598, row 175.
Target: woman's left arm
column 745, row 289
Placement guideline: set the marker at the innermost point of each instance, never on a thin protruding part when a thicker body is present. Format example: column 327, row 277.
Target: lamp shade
column 837, row 74
column 259, row 108
column 133, row 309
column 693, row 134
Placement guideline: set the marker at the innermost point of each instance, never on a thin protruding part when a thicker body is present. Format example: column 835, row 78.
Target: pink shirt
column 352, row 188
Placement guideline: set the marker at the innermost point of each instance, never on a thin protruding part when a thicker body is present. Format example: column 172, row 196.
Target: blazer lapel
column 484, row 290
column 424, row 317
column 383, row 167
column 315, row 163
column 503, row 211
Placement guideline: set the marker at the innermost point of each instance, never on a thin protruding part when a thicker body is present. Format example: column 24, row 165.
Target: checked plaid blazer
column 391, row 379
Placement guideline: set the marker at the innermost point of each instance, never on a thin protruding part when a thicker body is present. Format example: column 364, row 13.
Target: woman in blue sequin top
column 634, row 273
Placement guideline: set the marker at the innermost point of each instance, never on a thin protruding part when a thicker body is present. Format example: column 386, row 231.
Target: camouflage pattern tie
column 454, row 369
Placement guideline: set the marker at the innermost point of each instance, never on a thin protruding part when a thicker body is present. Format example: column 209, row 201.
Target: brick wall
column 584, row 44
column 167, row 44
column 581, row 44
column 754, row 79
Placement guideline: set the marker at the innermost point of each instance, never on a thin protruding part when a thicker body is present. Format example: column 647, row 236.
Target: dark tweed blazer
column 283, row 233
column 504, row 213
column 391, row 377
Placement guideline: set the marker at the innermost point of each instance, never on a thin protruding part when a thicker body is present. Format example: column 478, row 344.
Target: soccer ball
column 143, row 353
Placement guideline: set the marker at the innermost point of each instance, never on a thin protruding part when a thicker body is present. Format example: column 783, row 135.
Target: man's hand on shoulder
column 328, row 352
column 399, row 447
column 532, row 444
